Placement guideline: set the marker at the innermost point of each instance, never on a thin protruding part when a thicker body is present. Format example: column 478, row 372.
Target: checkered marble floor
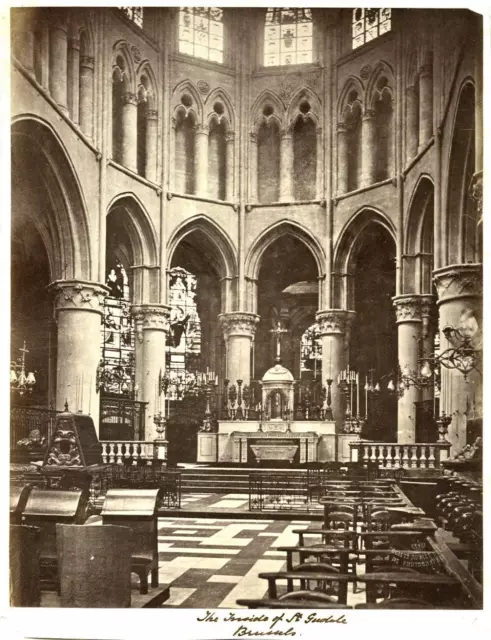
column 237, row 502
column 210, row 562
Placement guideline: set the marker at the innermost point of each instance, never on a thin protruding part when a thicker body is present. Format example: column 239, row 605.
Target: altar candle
column 358, row 395
column 351, row 398
column 366, row 397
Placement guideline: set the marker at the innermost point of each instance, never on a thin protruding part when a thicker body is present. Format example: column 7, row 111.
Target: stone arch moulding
column 412, row 66
column 352, row 84
column 83, row 23
column 423, row 190
column 217, row 236
column 146, row 68
column 122, row 48
column 141, row 230
column 349, row 236
column 186, row 86
column 263, row 99
column 381, row 69
column 276, row 231
column 71, row 248
column 304, row 93
column 216, row 95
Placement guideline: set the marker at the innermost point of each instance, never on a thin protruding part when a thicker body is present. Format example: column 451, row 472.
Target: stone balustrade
column 389, row 455
column 129, row 452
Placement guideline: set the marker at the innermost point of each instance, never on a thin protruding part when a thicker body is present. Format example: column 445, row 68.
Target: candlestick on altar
column 366, row 397
column 358, row 395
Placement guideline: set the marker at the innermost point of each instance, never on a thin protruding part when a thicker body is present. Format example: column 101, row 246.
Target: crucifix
column 277, row 331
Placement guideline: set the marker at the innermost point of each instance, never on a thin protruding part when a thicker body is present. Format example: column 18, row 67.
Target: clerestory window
column 135, row 14
column 369, row 24
column 201, row 32
column 287, row 37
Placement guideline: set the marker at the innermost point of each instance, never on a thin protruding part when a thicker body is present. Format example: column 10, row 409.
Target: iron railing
column 278, row 492
column 122, row 419
column 33, row 424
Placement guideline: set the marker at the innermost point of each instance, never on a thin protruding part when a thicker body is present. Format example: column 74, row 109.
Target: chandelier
column 19, row 381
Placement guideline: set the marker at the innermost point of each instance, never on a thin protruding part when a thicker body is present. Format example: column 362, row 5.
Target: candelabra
column 209, row 382
column 160, row 422
column 19, row 381
column 349, row 385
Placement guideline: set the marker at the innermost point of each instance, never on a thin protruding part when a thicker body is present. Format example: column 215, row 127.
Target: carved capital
column 87, row 61
column 286, row 134
column 458, row 281
column 130, row 98
column 426, row 70
column 78, row 294
column 150, row 316
column 408, row 308
column 253, row 137
column 152, row 114
column 368, row 114
column 230, row 136
column 475, row 191
column 342, row 128
column 334, row 321
column 238, row 323
column 203, row 129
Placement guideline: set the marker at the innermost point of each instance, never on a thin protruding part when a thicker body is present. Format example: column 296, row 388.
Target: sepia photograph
column 246, row 313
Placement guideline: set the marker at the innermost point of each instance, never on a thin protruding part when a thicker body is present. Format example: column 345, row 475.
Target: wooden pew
column 19, row 495
column 307, row 577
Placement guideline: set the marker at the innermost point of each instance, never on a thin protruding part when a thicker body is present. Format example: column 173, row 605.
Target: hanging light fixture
column 19, row 381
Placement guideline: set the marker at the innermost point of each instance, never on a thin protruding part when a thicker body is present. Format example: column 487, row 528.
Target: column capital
column 411, row 89
column 286, row 134
column 75, row 43
column 368, row 114
column 130, row 98
column 408, row 308
column 152, row 114
column 78, row 295
column 253, row 136
column 335, row 321
column 238, row 323
column 458, row 281
column 426, row 69
column 342, row 127
column 150, row 316
column 202, row 129
column 87, row 61
column 230, row 136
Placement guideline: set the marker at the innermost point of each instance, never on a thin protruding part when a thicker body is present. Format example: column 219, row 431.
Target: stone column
column 151, row 145
column 58, row 51
column 459, row 289
column 129, row 133
column 238, row 329
column 408, row 318
column 23, row 37
column 368, row 148
column 86, row 97
column 151, row 328
column 342, row 158
column 201, row 160
column 253, row 171
column 286, row 166
column 412, row 128
column 319, row 169
column 425, row 105
column 73, row 63
column 335, row 329
column 78, row 308
column 230, row 165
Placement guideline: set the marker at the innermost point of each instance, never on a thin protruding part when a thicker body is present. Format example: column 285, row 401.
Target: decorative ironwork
column 278, row 492
column 31, row 427
column 122, row 419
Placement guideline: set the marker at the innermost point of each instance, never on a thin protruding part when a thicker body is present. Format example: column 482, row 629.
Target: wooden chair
column 304, row 602
column 411, row 584
column 397, row 603
column 19, row 495
column 24, row 548
column 336, row 583
column 94, row 566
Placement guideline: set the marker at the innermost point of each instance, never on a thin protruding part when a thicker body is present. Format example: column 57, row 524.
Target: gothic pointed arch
column 352, row 91
column 146, row 79
column 186, row 95
column 47, row 193
column 271, row 102
column 301, row 97
column 220, row 98
column 121, row 53
column 418, row 246
column 214, row 241
column 373, row 90
column 273, row 233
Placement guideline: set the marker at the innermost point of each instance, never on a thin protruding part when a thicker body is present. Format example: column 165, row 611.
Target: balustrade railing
column 389, row 455
column 128, row 452
column 33, row 425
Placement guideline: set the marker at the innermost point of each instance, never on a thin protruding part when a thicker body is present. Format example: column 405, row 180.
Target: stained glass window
column 287, row 37
column 311, row 353
column 135, row 14
column 116, row 372
column 368, row 24
column 184, row 342
column 201, row 32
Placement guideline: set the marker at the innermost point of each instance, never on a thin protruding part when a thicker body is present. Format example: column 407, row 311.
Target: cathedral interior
column 246, row 284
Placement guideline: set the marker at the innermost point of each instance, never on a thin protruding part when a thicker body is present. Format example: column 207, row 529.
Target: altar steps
column 224, row 480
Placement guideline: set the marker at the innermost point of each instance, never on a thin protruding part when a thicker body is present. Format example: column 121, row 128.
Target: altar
column 274, row 441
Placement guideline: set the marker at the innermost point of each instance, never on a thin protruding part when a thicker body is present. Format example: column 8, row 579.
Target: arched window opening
column 383, row 125
column 217, row 160
column 201, row 32
column 184, row 341
column 268, row 164
column 353, row 132
column 116, row 371
column 304, row 159
column 368, row 24
column 288, row 37
column 184, row 153
column 135, row 14
column 141, row 127
column 118, row 89
column 311, row 353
